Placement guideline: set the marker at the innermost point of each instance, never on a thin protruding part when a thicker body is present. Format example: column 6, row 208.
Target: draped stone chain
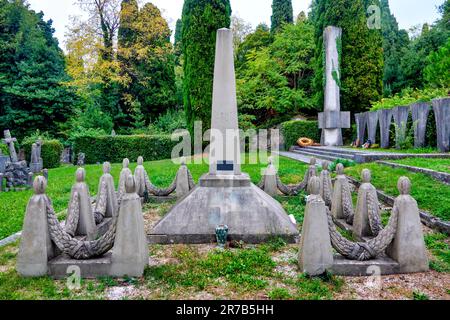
column 79, row 249
column 374, row 217
column 347, row 203
column 327, row 191
column 190, row 180
column 74, row 215
column 100, row 207
column 160, row 192
column 363, row 251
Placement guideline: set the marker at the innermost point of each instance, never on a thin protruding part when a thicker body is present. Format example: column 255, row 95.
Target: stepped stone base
column 90, row 269
column 251, row 215
column 350, row 268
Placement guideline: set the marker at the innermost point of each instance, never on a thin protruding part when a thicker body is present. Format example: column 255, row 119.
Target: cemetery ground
column 267, row 271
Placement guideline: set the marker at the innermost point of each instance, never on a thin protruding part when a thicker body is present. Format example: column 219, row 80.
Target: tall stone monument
column 225, row 195
column 332, row 120
column 9, row 141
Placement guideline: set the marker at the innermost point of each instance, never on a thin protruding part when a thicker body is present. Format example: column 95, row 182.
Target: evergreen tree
column 177, row 43
column 201, row 20
column 32, row 72
column 362, row 52
column 282, row 13
column 129, row 12
column 257, row 40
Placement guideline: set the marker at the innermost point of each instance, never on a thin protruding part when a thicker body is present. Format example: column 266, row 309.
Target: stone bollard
column 45, row 174
column 130, row 252
column 182, row 188
column 408, row 247
column 123, row 177
column 112, row 206
column 1, row 182
column 80, row 201
column 316, row 255
column 139, row 176
column 341, row 195
column 36, row 247
column 326, row 185
column 30, row 179
column 367, row 221
column 270, row 179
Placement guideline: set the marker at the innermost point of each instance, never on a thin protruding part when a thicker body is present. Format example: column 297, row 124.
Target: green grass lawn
column 13, row 204
column 394, row 150
column 441, row 165
column 430, row 194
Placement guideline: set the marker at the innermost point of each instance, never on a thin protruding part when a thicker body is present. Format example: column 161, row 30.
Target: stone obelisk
column 225, row 195
column 332, row 120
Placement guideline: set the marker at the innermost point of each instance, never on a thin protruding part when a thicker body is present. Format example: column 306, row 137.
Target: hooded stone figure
column 312, row 171
column 139, row 176
column 123, row 177
column 326, row 185
column 80, row 217
column 183, row 185
column 408, row 247
column 270, row 179
column 36, row 247
column 130, row 252
column 316, row 254
column 367, row 221
column 342, row 203
column 107, row 204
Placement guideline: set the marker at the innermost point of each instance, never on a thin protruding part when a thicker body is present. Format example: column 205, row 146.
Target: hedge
column 115, row 149
column 294, row 130
column 50, row 153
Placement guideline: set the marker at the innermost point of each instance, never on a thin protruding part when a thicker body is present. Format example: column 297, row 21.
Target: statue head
column 325, row 165
column 80, row 175
column 140, row 161
column 314, row 186
column 40, row 185
column 106, row 167
column 34, row 146
column 130, row 184
column 125, row 163
column 313, row 161
column 340, row 169
column 404, row 185
column 366, row 176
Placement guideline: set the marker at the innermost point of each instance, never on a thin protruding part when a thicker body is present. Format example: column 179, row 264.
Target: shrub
column 294, row 130
column 50, row 153
column 4, row 149
column 345, row 162
column 115, row 149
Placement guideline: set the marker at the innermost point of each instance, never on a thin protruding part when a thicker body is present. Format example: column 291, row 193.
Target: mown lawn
column 441, row 165
column 430, row 194
column 13, row 204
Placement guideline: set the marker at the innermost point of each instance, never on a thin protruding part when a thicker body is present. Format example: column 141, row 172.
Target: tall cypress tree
column 362, row 52
column 282, row 12
column 201, row 20
column 129, row 12
column 177, row 43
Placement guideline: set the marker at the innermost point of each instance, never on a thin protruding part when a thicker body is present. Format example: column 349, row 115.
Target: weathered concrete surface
column 36, row 247
column 385, row 117
column 408, row 247
column 372, row 125
column 270, row 180
column 130, row 252
column 139, row 175
column 63, row 266
column 361, row 124
column 340, row 185
column 420, row 112
column 112, row 205
column 316, row 254
column 400, row 115
column 441, row 109
column 251, row 215
column 351, row 268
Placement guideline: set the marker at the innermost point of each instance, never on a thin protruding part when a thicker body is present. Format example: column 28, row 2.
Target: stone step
column 327, row 152
column 323, row 155
column 338, row 150
column 315, row 155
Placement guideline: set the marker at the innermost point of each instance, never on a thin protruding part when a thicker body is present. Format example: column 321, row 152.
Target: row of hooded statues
column 104, row 238
column 398, row 247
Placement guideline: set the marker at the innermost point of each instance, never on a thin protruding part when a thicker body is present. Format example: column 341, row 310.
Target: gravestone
column 385, row 118
column 332, row 120
column 441, row 109
column 361, row 124
column 81, row 159
column 315, row 254
column 420, row 112
column 66, row 156
column 372, row 125
column 225, row 196
column 36, row 163
column 3, row 161
column 400, row 115
column 9, row 141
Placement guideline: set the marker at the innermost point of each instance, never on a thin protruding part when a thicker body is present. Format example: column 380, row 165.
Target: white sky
column 408, row 12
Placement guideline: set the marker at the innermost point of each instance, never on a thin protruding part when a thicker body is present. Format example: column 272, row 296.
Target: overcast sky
column 408, row 12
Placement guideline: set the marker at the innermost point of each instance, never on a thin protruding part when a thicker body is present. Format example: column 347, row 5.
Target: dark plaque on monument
column 225, row 166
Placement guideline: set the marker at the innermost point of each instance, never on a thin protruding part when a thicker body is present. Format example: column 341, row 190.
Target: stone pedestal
column 420, row 112
column 441, row 109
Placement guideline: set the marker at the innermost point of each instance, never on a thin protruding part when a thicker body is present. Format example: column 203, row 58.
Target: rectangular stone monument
column 441, row 109
column 372, row 125
column 361, row 124
column 400, row 115
column 332, row 120
column 9, row 141
column 225, row 195
column 385, row 117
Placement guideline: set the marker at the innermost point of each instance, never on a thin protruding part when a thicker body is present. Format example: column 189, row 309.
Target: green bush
column 115, row 149
column 345, row 162
column 4, row 148
column 294, row 130
column 50, row 153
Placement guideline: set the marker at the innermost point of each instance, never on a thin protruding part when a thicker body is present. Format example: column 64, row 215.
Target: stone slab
column 225, row 181
column 385, row 118
column 441, row 109
column 372, row 125
column 400, row 115
column 361, row 124
column 420, row 112
column 351, row 268
column 90, row 269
